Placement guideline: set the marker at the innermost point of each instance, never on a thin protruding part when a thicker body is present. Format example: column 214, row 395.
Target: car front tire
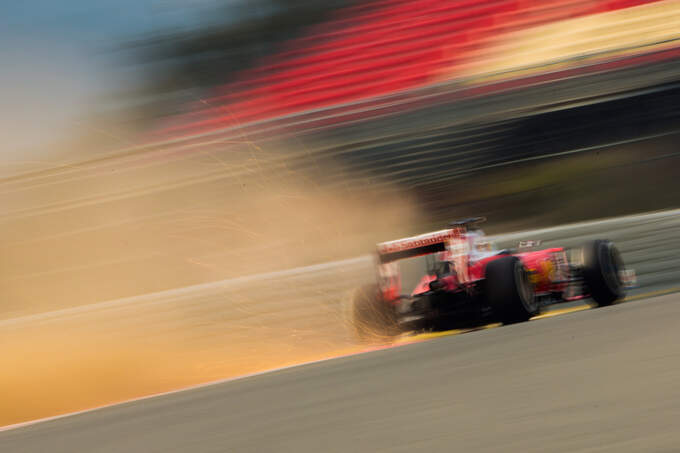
column 601, row 266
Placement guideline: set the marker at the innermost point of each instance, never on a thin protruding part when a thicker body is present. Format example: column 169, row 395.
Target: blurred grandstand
column 398, row 46
column 503, row 103
column 421, row 93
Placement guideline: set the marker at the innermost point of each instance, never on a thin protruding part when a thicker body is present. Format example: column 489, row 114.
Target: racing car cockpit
column 479, row 247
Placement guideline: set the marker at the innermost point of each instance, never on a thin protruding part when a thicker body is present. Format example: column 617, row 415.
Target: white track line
column 184, row 291
column 365, row 259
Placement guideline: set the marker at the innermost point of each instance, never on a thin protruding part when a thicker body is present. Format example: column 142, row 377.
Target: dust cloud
column 136, row 223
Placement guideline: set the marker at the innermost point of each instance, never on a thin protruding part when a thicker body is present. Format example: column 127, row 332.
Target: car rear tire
column 509, row 290
column 601, row 265
column 373, row 318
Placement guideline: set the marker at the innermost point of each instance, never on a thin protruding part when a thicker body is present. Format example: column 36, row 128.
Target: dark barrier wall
column 584, row 147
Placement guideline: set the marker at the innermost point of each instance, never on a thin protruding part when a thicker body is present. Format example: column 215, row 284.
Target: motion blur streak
column 92, row 355
column 133, row 232
column 402, row 46
column 617, row 33
column 142, row 229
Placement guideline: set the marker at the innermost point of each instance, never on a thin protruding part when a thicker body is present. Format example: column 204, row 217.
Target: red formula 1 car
column 460, row 279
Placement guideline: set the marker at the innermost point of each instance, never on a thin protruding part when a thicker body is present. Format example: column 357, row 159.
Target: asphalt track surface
column 596, row 380
column 591, row 380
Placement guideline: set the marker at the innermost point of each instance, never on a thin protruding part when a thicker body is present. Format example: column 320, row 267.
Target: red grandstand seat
column 378, row 48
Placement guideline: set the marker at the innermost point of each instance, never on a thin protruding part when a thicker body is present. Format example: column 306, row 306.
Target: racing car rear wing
column 424, row 244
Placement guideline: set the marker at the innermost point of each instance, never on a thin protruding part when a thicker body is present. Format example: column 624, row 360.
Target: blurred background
column 152, row 145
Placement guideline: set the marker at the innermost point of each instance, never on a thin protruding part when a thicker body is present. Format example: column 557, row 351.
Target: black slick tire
column 509, row 290
column 601, row 265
